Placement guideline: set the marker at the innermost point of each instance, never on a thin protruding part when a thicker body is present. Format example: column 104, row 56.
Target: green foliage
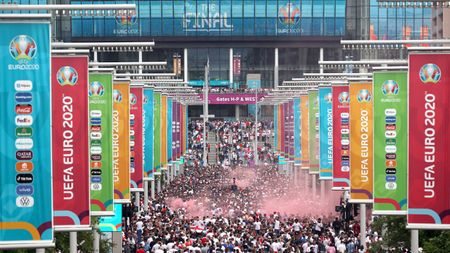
column 393, row 231
column 435, row 241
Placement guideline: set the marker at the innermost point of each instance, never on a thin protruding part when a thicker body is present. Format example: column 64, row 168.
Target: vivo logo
column 23, row 85
column 390, row 112
column 24, row 190
column 95, row 113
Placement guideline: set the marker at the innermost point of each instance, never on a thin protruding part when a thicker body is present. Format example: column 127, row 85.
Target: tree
column 394, row 234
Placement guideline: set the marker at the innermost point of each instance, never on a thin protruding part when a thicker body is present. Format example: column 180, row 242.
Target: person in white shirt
column 257, row 225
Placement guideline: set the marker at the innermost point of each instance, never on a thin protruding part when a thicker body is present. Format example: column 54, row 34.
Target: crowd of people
column 216, row 208
column 235, row 142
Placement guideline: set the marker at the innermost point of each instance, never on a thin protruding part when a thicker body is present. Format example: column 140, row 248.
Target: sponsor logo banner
column 429, row 134
column 26, row 207
column 313, row 122
column 100, row 91
column 390, row 140
column 341, row 176
column 297, row 128
column 121, row 141
column 361, row 142
column 157, row 132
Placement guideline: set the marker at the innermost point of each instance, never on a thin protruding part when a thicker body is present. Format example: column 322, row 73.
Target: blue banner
column 147, row 117
column 112, row 223
column 326, row 133
column 25, row 152
column 297, row 126
column 169, row 128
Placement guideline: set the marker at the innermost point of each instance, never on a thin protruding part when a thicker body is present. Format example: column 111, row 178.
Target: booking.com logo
column 67, row 76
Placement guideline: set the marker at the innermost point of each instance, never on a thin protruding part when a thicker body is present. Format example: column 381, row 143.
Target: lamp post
column 256, row 127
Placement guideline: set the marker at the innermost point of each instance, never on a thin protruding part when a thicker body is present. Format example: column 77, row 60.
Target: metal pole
column 256, row 127
column 322, row 189
column 306, row 180
column 158, row 186
column 153, row 189
column 205, row 113
column 186, row 77
column 231, row 66
column 137, row 201
column 321, row 59
column 96, row 239
column 73, row 242
column 414, row 240
column 275, row 75
column 40, row 250
column 145, row 195
column 362, row 236
column 314, row 185
column 140, row 60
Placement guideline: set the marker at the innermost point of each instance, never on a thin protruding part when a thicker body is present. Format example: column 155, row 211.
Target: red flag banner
column 429, row 134
column 70, row 143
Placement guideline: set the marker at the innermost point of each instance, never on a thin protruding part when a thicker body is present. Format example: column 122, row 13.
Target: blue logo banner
column 326, row 133
column 25, row 160
column 169, row 128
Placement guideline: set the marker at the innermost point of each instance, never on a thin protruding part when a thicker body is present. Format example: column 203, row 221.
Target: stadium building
column 260, row 41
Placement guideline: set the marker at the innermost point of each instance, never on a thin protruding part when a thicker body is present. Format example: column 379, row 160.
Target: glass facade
column 367, row 20
column 242, row 18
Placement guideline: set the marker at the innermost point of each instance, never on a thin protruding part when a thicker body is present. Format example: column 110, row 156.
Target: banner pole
column 306, row 180
column 314, row 185
column 137, row 201
column 73, row 242
column 153, row 189
column 322, row 189
column 414, row 240
column 363, row 213
column 145, row 195
column 40, row 250
column 96, row 239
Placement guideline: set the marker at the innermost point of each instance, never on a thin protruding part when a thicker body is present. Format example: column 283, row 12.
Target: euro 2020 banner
column 100, row 137
column 304, row 133
column 112, row 223
column 25, row 149
column 70, row 143
column 325, row 133
column 136, row 134
column 313, row 117
column 429, row 135
column 148, row 136
column 341, row 138
column 390, row 126
column 121, row 141
column 361, row 143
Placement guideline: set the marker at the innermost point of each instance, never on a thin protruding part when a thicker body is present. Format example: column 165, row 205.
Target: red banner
column 70, row 143
column 341, row 138
column 136, row 166
column 429, row 134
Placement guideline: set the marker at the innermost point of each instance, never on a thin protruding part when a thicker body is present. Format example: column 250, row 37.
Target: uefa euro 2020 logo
column 328, row 98
column 117, row 96
column 430, row 73
column 289, row 14
column 96, row 89
column 67, row 76
column 22, row 48
column 364, row 96
column 344, row 98
column 145, row 100
column 390, row 87
column 133, row 99
column 126, row 20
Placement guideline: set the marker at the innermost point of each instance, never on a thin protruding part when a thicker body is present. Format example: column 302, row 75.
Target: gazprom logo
column 430, row 73
column 67, row 76
column 22, row 48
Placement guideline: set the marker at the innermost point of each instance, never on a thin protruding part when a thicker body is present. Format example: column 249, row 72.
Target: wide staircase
column 212, row 155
